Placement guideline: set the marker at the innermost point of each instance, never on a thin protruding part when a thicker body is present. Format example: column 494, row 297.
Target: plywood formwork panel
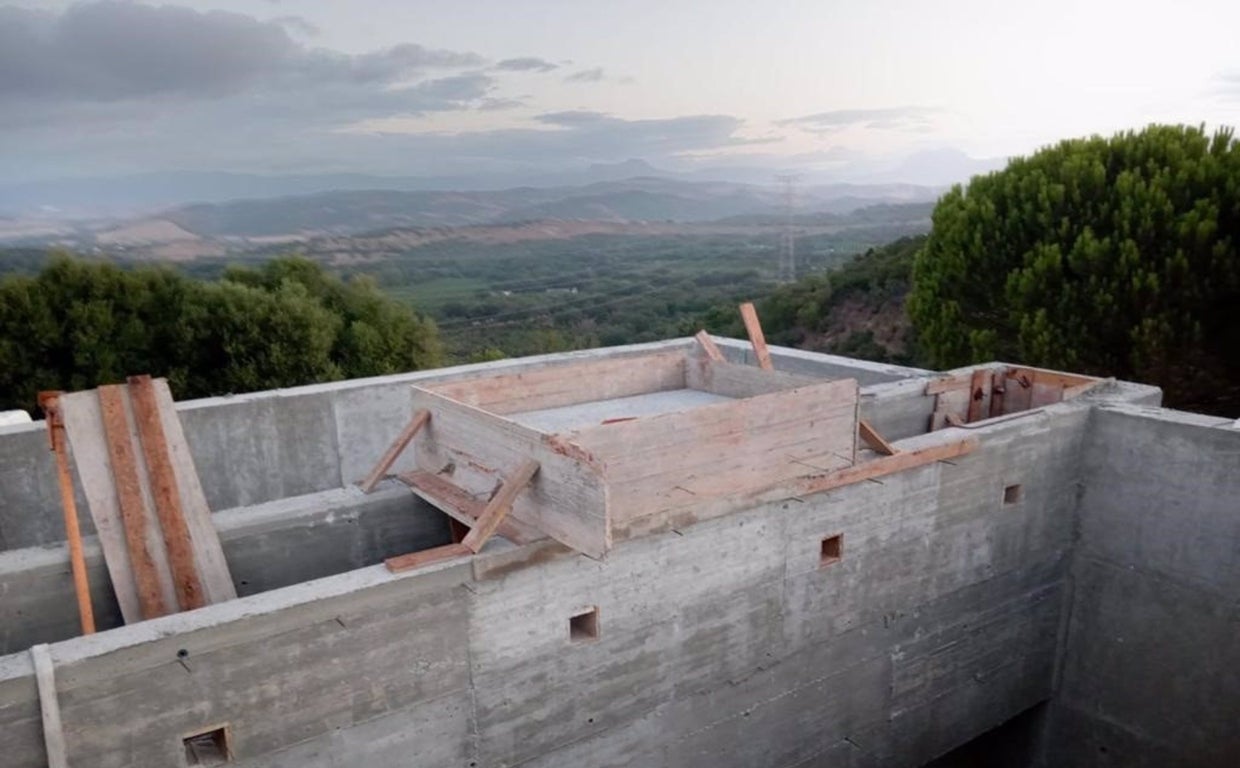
column 667, row 463
column 476, row 450
column 556, row 386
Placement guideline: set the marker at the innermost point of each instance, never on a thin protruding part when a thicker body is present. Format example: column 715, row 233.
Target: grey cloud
column 297, row 24
column 491, row 104
column 526, row 64
column 916, row 119
column 119, row 50
column 592, row 75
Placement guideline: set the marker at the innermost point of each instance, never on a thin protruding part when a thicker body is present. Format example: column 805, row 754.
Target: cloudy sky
column 514, row 86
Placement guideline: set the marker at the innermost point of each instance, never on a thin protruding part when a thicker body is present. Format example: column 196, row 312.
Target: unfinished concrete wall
column 728, row 642
column 1151, row 671
column 254, row 448
column 267, row 547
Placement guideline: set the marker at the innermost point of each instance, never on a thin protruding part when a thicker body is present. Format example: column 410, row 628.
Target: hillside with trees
column 78, row 324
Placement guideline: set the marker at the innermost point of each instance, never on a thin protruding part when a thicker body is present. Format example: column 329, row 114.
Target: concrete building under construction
column 654, row 555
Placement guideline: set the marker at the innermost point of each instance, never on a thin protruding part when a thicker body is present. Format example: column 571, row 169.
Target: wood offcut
column 753, row 327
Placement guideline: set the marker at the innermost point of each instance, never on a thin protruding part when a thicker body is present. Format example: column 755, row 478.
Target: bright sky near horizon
column 480, row 86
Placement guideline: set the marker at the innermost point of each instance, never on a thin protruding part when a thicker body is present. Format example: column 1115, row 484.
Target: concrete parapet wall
column 254, row 448
column 1151, row 671
column 727, row 642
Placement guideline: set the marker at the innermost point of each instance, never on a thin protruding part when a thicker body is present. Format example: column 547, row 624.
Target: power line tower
column 788, row 244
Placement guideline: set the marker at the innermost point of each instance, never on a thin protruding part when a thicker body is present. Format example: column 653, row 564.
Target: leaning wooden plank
column 754, row 328
column 426, row 557
column 560, row 384
column 84, row 429
column 457, row 504
column 997, row 391
column 394, row 450
column 873, row 439
column 979, row 395
column 129, row 496
column 500, row 505
column 50, row 403
column 709, row 346
column 213, row 572
column 899, row 462
column 185, row 581
column 568, row 498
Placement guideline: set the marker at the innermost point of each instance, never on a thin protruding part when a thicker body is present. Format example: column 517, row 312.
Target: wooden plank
column 709, row 347
column 180, row 552
column 753, row 327
column 873, row 439
column 904, row 460
column 997, row 390
column 129, row 496
column 426, row 557
column 1046, row 376
column 676, row 461
column 979, row 395
column 463, row 508
column 567, row 500
column 948, row 384
column 732, row 380
column 1017, row 392
column 213, row 572
column 561, row 384
column 49, row 707
column 499, row 505
column 395, row 450
column 50, row 403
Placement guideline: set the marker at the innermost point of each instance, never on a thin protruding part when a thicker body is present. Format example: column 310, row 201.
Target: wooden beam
column 873, row 439
column 500, row 505
column 753, row 327
column 394, row 450
column 426, row 557
column 167, row 496
column 904, row 460
column 457, row 503
column 50, row 403
column 947, row 384
column 129, row 496
column 998, row 387
column 709, row 347
column 979, row 388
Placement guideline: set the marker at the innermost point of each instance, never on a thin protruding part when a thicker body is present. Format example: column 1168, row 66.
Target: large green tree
column 1110, row 256
column 78, row 324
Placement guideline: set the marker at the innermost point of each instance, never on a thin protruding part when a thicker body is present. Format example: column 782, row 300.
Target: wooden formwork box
column 623, row 477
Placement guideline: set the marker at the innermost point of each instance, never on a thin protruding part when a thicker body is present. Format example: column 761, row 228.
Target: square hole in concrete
column 583, row 627
column 208, row 747
column 831, row 550
column 1012, row 494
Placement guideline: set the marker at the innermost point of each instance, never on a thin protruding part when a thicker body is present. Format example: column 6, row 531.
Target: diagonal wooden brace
column 398, row 446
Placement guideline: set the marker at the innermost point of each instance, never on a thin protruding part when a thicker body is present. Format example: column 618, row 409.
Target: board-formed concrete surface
column 1083, row 561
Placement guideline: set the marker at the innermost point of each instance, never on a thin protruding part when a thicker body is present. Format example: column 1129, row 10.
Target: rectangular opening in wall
column 832, row 549
column 1012, row 494
column 583, row 627
column 208, row 747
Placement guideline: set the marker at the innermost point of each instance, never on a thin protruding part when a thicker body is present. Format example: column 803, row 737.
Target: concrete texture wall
column 254, row 448
column 267, row 547
column 724, row 643
column 1151, row 671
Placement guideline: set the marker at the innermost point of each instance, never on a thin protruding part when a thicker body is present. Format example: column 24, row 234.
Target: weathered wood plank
column 394, row 450
column 50, row 403
column 562, row 384
column 213, row 571
column 129, row 497
column 997, row 390
column 463, row 508
column 709, row 346
column 676, row 460
column 886, row 465
column 426, row 557
column 873, row 439
column 753, row 327
column 948, row 384
column 732, row 380
column 979, row 395
column 499, row 505
column 567, row 500
column 181, row 561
